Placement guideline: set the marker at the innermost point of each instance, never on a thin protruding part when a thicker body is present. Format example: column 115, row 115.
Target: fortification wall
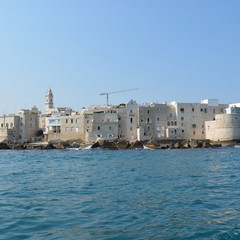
column 226, row 127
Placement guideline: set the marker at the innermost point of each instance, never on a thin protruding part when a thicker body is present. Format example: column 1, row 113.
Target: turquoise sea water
column 129, row 194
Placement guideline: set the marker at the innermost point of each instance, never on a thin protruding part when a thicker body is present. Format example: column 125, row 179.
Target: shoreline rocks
column 120, row 144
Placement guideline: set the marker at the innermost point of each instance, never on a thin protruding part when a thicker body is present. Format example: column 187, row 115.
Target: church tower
column 49, row 100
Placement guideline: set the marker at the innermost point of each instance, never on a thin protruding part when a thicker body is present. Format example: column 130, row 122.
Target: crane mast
column 108, row 93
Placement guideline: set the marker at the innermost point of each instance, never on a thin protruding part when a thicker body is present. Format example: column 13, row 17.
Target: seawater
column 125, row 194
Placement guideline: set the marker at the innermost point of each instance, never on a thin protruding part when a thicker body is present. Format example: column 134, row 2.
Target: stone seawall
column 121, row 144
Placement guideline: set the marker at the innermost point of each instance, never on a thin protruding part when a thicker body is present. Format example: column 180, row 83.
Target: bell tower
column 49, row 100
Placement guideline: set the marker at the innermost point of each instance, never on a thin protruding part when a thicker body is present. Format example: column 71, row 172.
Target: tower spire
column 49, row 100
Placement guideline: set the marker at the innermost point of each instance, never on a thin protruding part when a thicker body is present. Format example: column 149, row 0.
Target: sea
column 176, row 194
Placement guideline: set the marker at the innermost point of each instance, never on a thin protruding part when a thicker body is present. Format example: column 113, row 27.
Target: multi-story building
column 28, row 124
column 20, row 127
column 191, row 117
column 152, row 121
column 9, row 128
column 128, row 123
column 72, row 127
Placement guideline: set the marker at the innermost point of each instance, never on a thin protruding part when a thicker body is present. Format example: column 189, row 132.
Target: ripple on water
column 131, row 194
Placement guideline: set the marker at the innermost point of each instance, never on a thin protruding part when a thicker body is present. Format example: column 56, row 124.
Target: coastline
column 120, row 145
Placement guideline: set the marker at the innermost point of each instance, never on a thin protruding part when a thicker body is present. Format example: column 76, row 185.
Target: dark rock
column 48, row 146
column 178, row 145
column 193, row 144
column 123, row 144
column 206, row 145
column 95, row 145
column 59, row 146
column 75, row 145
column 18, row 146
column 185, row 143
column 153, row 144
column 4, row 146
column 101, row 141
column 215, row 145
column 109, row 145
column 136, row 145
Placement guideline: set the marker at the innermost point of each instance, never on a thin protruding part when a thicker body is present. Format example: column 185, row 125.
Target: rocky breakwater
column 180, row 144
column 119, row 144
column 153, row 144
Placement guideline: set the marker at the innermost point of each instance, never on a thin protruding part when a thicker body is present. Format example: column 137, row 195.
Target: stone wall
column 226, row 127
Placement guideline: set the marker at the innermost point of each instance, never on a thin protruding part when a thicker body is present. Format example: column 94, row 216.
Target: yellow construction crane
column 108, row 93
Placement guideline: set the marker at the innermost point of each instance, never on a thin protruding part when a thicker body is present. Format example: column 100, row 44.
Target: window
column 170, row 115
column 98, row 127
column 66, row 120
column 77, row 120
column 205, row 110
column 148, row 128
column 168, row 123
column 182, row 118
column 182, row 131
column 6, row 125
column 194, row 132
column 192, row 109
column 2, row 125
column 110, row 128
column 87, row 121
column 148, row 120
column 77, row 129
column 175, row 123
column 131, row 120
column 182, row 110
column 158, row 119
column 201, row 109
column 148, row 111
column 71, row 120
column 119, row 118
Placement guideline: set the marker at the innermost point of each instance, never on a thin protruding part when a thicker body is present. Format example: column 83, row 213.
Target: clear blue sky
column 181, row 50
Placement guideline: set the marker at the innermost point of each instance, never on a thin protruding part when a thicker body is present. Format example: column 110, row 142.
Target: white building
column 225, row 127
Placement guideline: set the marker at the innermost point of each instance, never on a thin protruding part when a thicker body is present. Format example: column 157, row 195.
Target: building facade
column 9, row 128
column 225, row 127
